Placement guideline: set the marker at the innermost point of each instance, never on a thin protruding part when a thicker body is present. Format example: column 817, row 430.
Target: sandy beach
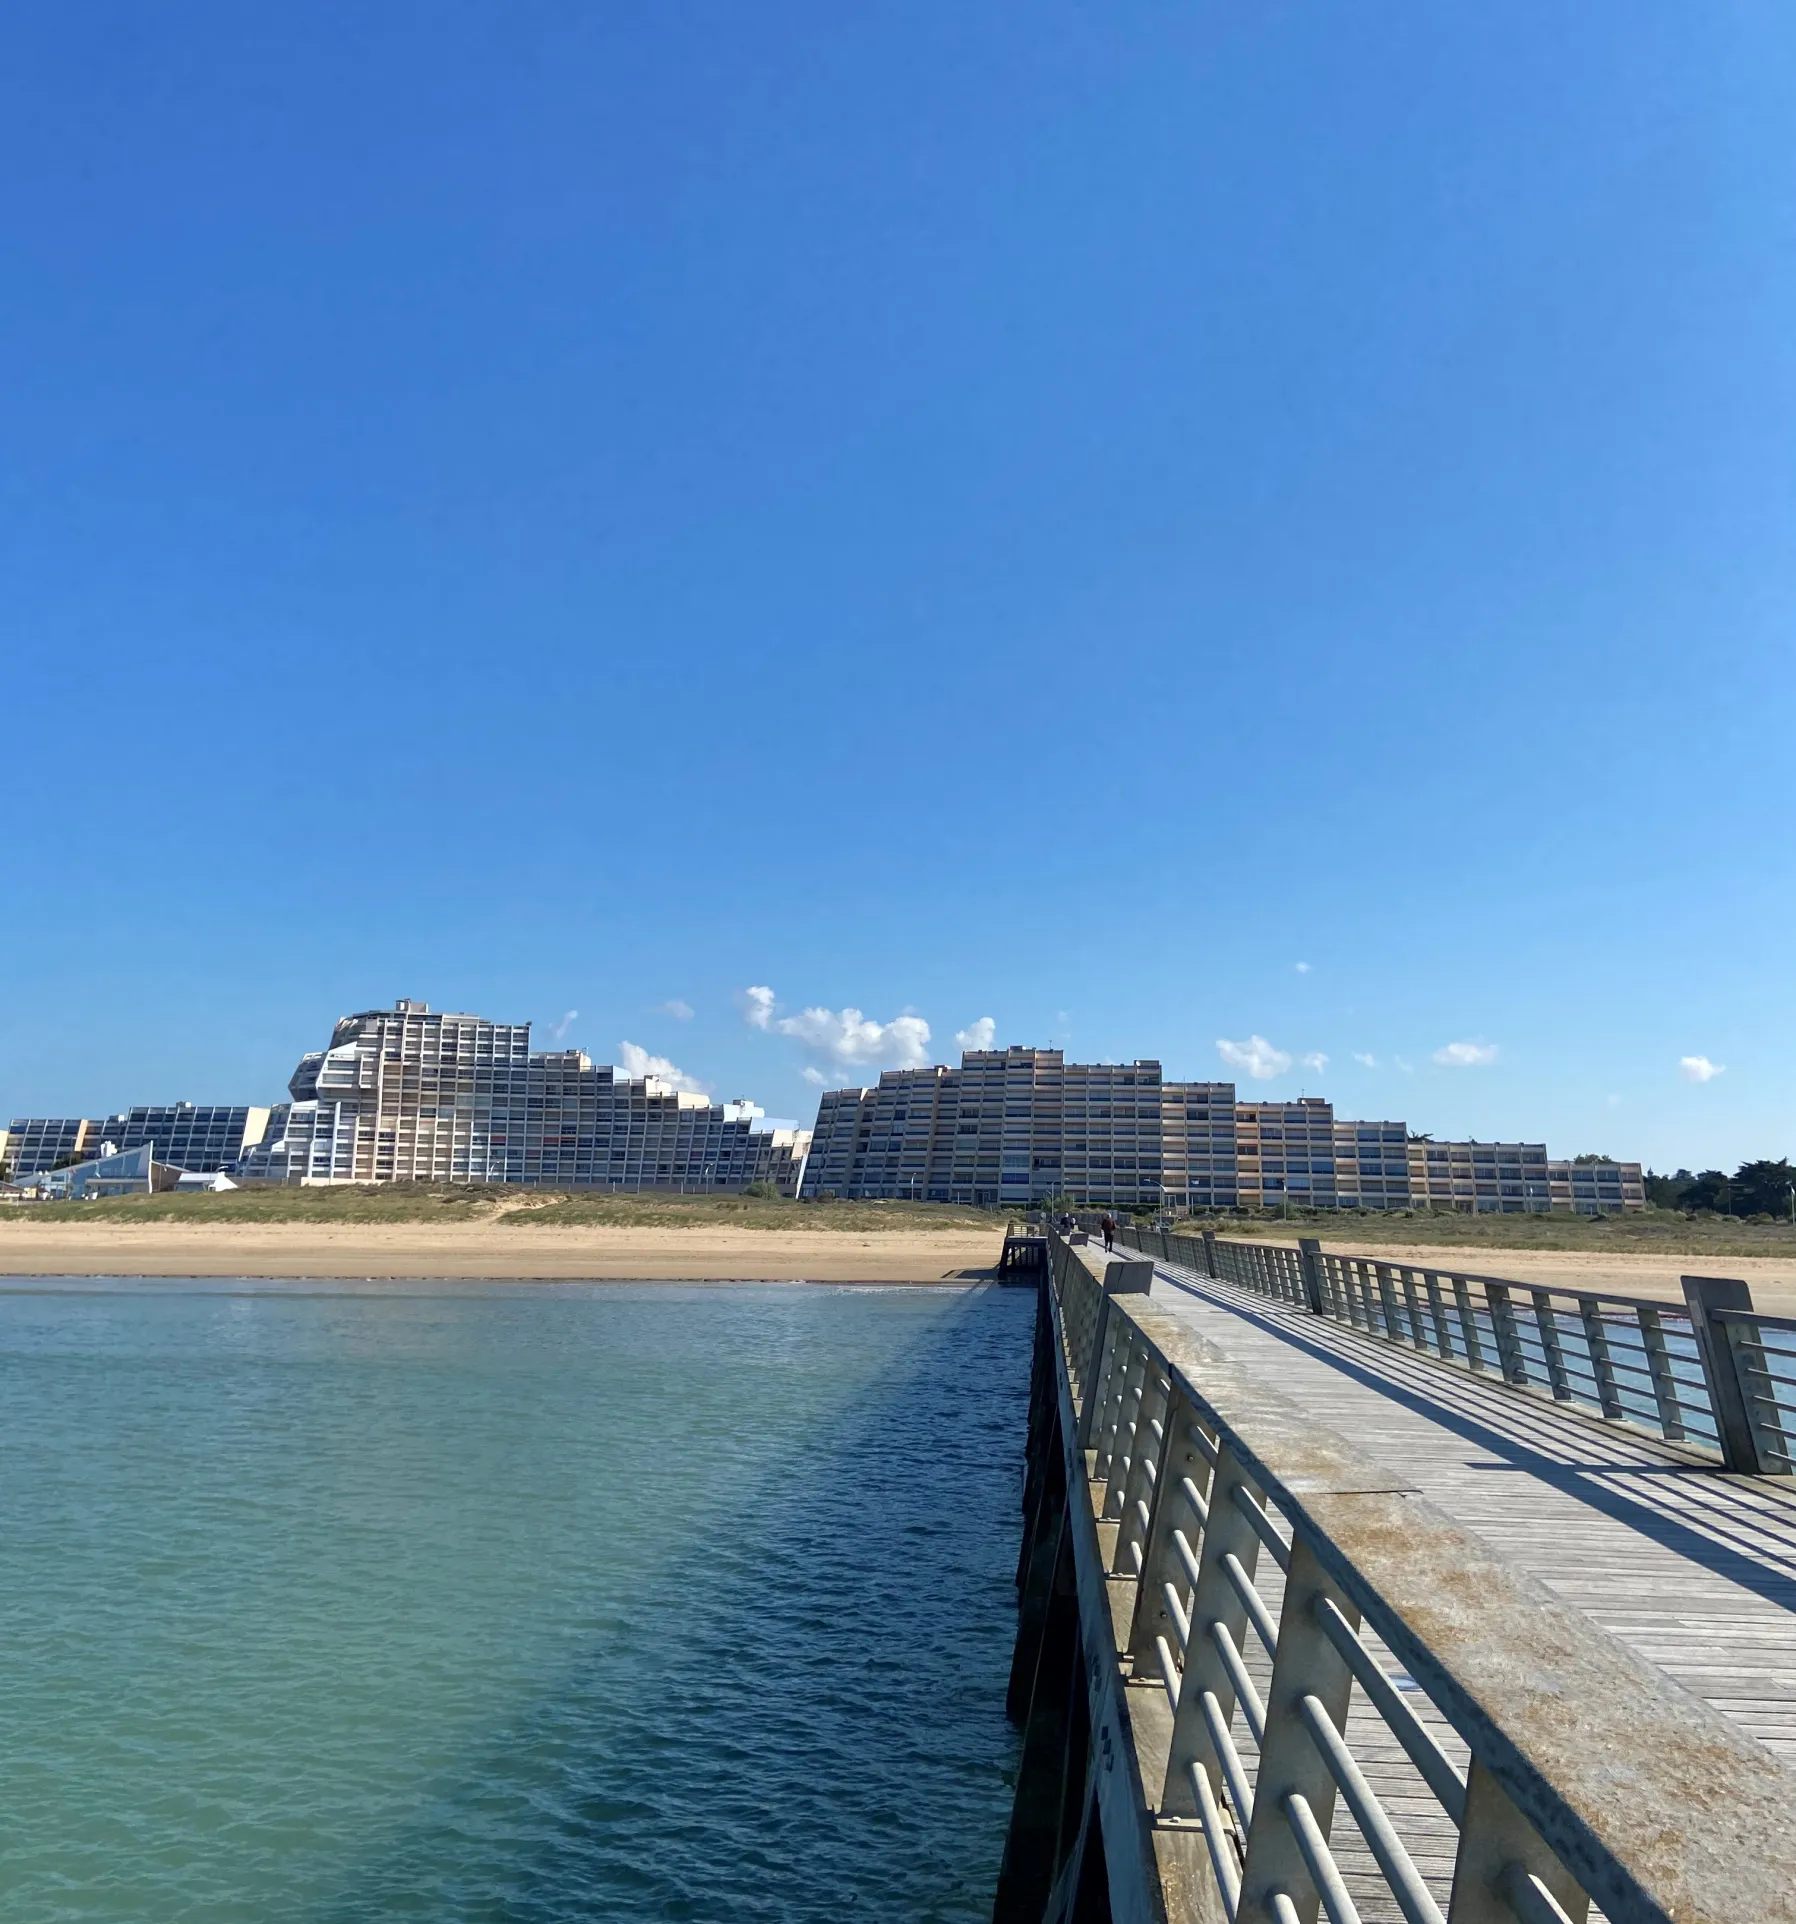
column 495, row 1250
column 1772, row 1279
column 712, row 1252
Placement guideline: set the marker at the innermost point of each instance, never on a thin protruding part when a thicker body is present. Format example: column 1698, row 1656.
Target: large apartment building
column 197, row 1136
column 1595, row 1186
column 1286, row 1153
column 414, row 1094
column 1199, row 1129
column 1007, row 1126
column 1481, row 1178
column 1012, row 1126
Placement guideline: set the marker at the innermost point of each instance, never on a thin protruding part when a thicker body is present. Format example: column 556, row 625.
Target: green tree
column 1668, row 1192
column 1762, row 1188
column 1710, row 1191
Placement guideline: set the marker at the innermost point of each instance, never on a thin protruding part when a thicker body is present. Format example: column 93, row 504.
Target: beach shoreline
column 497, row 1250
column 495, row 1253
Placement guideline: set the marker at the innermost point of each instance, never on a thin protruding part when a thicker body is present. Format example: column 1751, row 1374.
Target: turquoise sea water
column 505, row 1603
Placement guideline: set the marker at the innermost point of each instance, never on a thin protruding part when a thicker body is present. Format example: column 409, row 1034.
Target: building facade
column 1199, row 1166
column 1372, row 1165
column 411, row 1094
column 198, row 1136
column 1480, row 1178
column 37, row 1143
column 1595, row 1186
column 1008, row 1127
column 118, row 1172
column 1016, row 1126
column 1286, row 1153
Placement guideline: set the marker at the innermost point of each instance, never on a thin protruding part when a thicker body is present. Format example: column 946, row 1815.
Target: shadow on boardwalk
column 1732, row 1527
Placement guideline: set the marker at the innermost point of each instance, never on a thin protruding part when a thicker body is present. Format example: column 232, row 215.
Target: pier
column 1363, row 1590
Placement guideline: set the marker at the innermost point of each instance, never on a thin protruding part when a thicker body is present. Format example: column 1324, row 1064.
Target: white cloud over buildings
column 845, row 1038
column 1699, row 1069
column 636, row 1061
column 1466, row 1055
column 1256, row 1057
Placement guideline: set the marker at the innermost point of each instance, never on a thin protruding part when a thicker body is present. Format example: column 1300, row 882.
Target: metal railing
column 1711, row 1373
column 1315, row 1639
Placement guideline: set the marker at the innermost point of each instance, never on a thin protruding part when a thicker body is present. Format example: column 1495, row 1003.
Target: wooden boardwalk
column 1694, row 1569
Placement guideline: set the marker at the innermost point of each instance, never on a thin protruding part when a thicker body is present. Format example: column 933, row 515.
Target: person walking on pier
column 1107, row 1223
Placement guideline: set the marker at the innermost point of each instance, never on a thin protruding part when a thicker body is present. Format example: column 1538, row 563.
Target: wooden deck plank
column 1693, row 1569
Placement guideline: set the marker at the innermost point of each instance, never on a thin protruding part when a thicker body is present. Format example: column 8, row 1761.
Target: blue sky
column 929, row 510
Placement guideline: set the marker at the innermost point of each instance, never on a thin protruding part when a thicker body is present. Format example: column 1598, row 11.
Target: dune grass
column 412, row 1203
column 1651, row 1231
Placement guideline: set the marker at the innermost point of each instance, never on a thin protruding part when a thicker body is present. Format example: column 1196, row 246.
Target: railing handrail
column 1664, row 1305
column 1759, row 1318
column 1656, row 1804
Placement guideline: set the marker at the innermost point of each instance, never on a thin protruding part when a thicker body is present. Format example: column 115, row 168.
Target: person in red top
column 1107, row 1224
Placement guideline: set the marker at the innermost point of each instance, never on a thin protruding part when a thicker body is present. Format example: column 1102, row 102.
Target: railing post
column 1120, row 1279
column 1437, row 1311
column 1468, row 1323
column 1497, row 1848
column 1546, row 1320
column 1135, row 1496
column 1210, row 1252
column 1094, row 1379
column 1387, row 1302
column 1214, row 1600
column 1596, row 1340
column 1509, row 1343
column 1119, row 1379
column 1131, row 1425
column 1768, row 1435
column 1658, row 1363
column 1170, row 1514
column 1413, row 1303
column 1305, row 1664
column 1309, row 1254
column 1727, row 1394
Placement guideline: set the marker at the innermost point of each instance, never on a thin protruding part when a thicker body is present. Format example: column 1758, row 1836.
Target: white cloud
column 1256, row 1056
column 977, row 1035
column 637, row 1061
column 673, row 1006
column 814, row 1075
column 1466, row 1055
column 844, row 1038
column 1314, row 1060
column 559, row 1029
column 1699, row 1069
column 1365, row 1061
column 850, row 1040
column 1302, row 968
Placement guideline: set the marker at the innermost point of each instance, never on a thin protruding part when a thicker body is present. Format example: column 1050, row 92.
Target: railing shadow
column 1767, row 1567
